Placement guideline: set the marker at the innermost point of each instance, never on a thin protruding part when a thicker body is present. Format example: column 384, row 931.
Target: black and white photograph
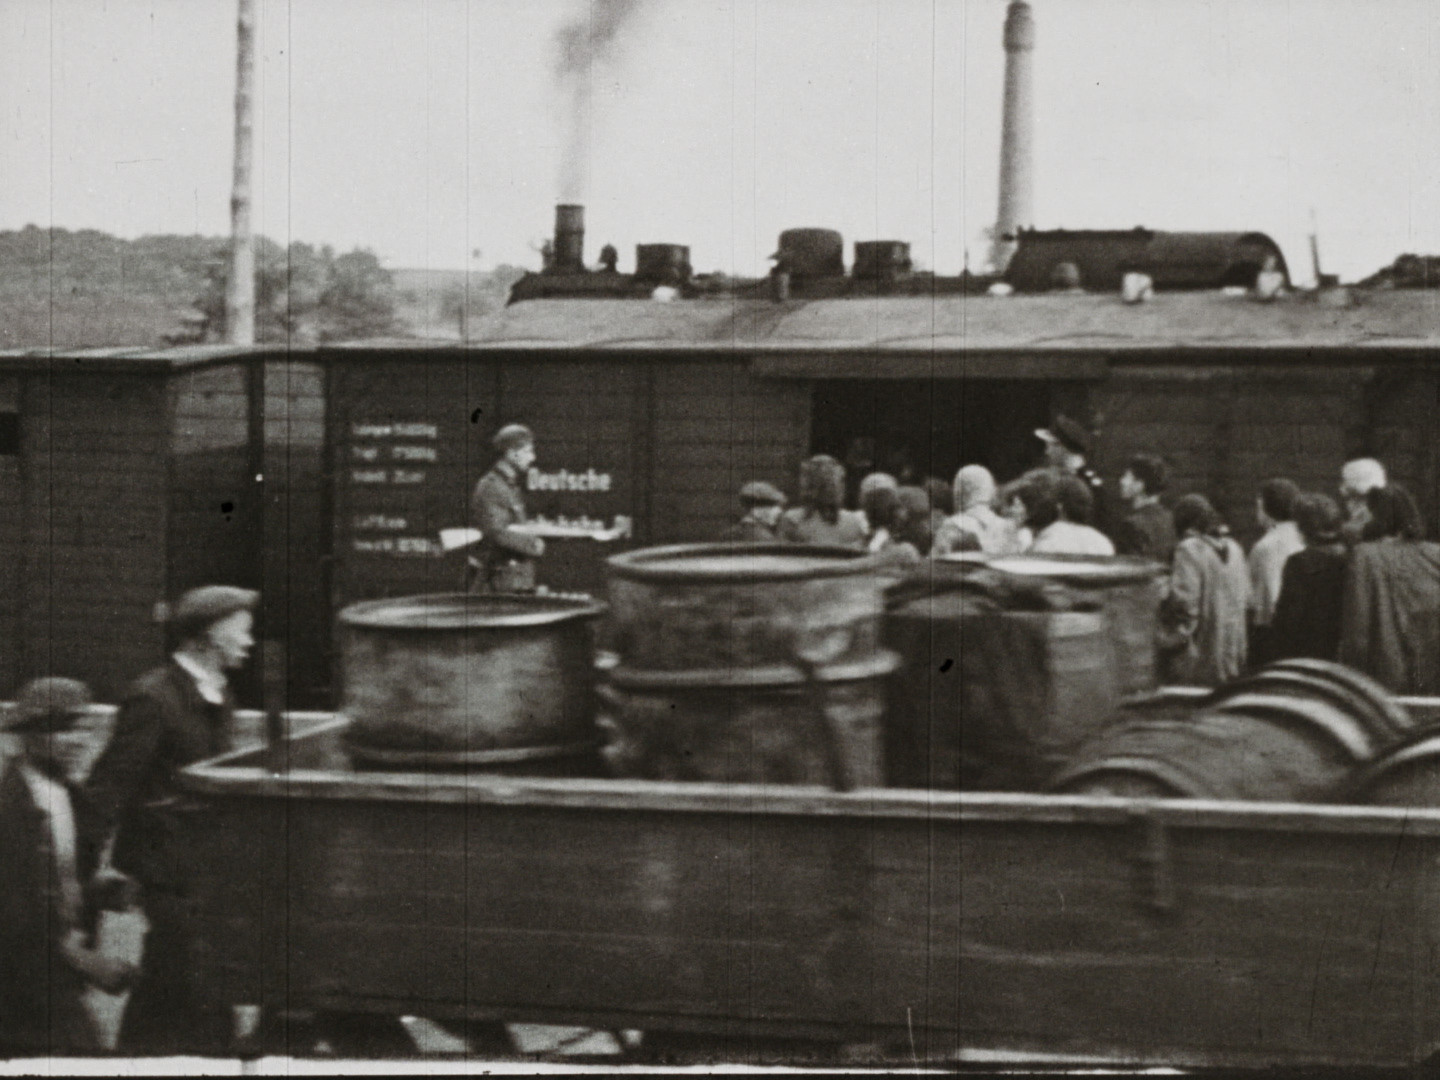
column 671, row 535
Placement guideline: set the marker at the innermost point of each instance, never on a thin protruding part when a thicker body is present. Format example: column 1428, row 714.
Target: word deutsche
column 564, row 480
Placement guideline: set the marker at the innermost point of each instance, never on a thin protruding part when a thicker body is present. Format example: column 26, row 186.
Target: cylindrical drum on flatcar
column 1251, row 747
column 1129, row 590
column 456, row 679
column 1408, row 775
column 747, row 663
column 992, row 696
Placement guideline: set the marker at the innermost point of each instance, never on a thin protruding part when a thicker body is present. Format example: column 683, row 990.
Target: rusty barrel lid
column 740, row 563
column 465, row 611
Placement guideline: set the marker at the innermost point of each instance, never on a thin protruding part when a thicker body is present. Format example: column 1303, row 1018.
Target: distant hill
column 437, row 303
column 85, row 288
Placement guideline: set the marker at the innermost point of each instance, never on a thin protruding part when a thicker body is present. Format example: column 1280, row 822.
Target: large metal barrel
column 1409, row 775
column 1253, row 746
column 1129, row 591
column 991, row 699
column 738, row 662
column 468, row 679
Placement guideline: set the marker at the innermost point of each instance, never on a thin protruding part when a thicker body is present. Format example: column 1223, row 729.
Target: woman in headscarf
column 1391, row 611
column 987, row 530
column 1312, row 585
column 1204, row 615
column 819, row 518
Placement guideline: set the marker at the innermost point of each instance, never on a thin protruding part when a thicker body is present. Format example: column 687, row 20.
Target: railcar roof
column 1399, row 319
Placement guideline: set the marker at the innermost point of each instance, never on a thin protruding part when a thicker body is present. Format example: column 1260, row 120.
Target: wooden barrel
column 1409, row 775
column 992, row 700
column 462, row 679
column 1359, row 695
column 1128, row 589
column 742, row 662
column 1254, row 747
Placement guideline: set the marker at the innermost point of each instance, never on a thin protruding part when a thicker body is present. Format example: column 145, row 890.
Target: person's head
column 1009, row 503
column 822, row 486
column 1357, row 479
column 1194, row 516
column 871, row 481
column 1145, row 476
column 1276, row 501
column 883, row 509
column 942, row 498
column 974, row 486
column 762, row 501
column 1393, row 513
column 1040, row 495
column 1066, row 443
column 1318, row 518
column 215, row 624
column 516, row 444
column 48, row 719
column 1077, row 504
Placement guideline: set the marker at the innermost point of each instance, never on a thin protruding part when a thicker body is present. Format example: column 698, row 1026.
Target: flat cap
column 512, row 435
column 208, row 604
column 50, row 704
column 759, row 493
column 1068, row 434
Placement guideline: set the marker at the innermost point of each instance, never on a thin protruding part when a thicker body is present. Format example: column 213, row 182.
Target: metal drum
column 461, row 679
column 746, row 663
column 1407, row 776
column 1253, row 747
column 1129, row 590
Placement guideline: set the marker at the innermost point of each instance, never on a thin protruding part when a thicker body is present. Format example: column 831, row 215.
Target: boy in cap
column 47, row 956
column 1066, row 446
column 507, row 556
column 171, row 717
column 762, row 504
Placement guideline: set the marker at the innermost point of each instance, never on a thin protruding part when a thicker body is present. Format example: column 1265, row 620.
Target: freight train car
column 340, row 465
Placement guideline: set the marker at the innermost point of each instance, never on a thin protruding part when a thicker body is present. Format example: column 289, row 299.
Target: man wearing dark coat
column 1148, row 529
column 47, row 953
column 171, row 717
column 507, row 556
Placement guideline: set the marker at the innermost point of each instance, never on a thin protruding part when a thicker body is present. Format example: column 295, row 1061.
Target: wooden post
column 240, row 286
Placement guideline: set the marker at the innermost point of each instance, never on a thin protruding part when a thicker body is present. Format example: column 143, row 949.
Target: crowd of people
column 1354, row 581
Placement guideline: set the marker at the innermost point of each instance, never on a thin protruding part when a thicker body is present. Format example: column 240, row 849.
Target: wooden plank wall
column 295, row 600
column 717, row 426
column 1225, row 431
column 12, row 540
column 740, row 923
column 94, row 456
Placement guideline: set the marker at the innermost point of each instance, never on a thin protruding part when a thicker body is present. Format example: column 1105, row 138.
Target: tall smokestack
column 1017, row 134
column 569, row 239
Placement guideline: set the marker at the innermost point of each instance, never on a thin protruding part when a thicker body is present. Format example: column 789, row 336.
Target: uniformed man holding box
column 507, row 554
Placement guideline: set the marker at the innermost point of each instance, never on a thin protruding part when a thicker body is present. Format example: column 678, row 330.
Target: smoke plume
column 589, row 39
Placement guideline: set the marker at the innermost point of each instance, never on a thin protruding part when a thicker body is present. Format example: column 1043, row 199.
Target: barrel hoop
column 637, row 565
column 548, row 610
column 508, row 756
column 881, row 663
column 1340, row 726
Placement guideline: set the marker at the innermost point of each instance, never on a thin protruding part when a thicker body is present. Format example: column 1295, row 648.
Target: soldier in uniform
column 507, row 556
column 1066, row 446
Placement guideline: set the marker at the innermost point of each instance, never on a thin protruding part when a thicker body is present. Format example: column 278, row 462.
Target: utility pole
column 240, row 288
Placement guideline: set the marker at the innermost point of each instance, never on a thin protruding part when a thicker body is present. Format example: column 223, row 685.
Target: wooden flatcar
column 940, row 927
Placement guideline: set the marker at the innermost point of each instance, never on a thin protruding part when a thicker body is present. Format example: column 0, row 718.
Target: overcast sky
column 428, row 130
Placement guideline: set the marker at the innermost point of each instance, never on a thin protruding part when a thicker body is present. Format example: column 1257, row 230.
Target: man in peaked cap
column 171, row 717
column 507, row 555
column 1066, row 445
column 47, row 952
column 762, row 504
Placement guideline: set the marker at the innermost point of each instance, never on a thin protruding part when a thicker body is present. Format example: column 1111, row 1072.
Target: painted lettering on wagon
column 564, row 480
column 362, row 429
